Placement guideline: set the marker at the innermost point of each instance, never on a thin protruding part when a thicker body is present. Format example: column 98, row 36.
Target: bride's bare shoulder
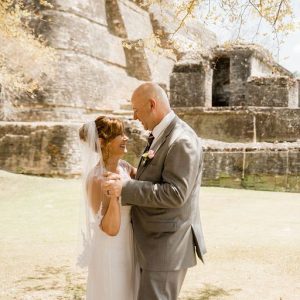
column 93, row 177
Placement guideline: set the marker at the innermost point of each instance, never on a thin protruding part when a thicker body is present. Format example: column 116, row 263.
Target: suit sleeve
column 180, row 171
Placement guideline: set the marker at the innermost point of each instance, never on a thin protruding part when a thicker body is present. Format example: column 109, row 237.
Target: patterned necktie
column 149, row 143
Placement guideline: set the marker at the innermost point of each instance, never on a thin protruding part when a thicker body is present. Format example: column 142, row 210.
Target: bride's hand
column 111, row 176
column 112, row 185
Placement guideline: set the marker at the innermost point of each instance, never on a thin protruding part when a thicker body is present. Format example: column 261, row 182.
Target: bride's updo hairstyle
column 107, row 128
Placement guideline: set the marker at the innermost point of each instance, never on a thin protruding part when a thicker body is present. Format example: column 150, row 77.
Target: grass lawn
column 38, row 236
column 252, row 238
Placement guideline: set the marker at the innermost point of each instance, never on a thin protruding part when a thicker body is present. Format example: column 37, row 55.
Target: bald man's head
column 150, row 104
column 152, row 90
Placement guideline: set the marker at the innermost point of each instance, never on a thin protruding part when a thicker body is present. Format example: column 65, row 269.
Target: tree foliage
column 277, row 13
column 248, row 20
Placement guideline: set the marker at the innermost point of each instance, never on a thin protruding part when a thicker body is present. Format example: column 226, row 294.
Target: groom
column 164, row 197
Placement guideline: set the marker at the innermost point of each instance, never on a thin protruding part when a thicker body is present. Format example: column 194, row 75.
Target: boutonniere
column 148, row 155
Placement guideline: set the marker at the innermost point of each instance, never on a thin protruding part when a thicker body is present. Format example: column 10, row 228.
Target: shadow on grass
column 61, row 281
column 209, row 292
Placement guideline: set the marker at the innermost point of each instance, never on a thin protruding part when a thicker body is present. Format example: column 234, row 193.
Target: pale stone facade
column 237, row 96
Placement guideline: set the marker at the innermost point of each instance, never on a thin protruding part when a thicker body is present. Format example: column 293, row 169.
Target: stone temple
column 244, row 106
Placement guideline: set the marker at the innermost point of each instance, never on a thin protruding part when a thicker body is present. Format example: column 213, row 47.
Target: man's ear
column 152, row 103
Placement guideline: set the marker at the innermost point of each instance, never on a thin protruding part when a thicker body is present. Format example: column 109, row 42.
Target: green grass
column 29, row 205
column 38, row 237
column 246, row 233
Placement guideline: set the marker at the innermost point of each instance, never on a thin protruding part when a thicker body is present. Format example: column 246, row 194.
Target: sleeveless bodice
column 113, row 272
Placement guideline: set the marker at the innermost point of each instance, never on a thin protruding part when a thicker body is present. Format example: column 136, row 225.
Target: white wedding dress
column 113, row 271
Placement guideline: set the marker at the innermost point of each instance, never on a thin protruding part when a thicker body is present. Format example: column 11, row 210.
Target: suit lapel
column 161, row 140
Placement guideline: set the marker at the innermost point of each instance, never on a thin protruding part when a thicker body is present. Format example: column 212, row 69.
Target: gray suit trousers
column 160, row 285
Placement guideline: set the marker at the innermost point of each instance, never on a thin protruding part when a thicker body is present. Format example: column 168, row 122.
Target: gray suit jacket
column 164, row 198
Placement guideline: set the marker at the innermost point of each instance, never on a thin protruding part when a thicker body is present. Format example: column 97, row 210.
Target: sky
column 291, row 47
column 288, row 54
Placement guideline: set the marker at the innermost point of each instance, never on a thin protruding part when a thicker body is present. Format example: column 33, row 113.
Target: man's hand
column 112, row 185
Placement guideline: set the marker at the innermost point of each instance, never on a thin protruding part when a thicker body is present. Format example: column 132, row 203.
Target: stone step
column 126, row 106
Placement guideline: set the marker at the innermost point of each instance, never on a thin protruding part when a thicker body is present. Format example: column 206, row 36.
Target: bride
column 108, row 241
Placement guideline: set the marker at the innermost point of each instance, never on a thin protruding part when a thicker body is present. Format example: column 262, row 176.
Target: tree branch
column 188, row 12
column 278, row 11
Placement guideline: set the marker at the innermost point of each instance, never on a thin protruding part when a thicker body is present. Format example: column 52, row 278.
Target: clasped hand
column 112, row 184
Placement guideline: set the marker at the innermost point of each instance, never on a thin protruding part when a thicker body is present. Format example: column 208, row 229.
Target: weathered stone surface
column 278, row 125
column 136, row 20
column 262, row 166
column 261, row 60
column 239, row 72
column 222, row 169
column 232, row 86
column 115, row 19
column 33, row 113
column 90, row 9
column 229, row 126
column 161, row 66
column 137, row 61
column 298, row 81
column 293, row 170
column 40, row 148
column 294, row 162
column 82, row 36
column 190, row 85
column 83, row 83
column 52, row 149
column 294, row 94
column 96, row 75
column 243, row 125
column 264, row 162
column 260, row 68
column 144, row 4
column 272, row 91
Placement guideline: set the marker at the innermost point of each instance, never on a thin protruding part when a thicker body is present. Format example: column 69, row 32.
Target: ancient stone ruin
column 243, row 104
column 248, row 103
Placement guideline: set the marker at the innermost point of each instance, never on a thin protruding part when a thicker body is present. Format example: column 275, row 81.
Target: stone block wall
column 240, row 70
column 138, row 65
column 93, row 68
column 49, row 149
column 293, row 94
column 190, row 85
column 259, row 68
column 244, row 124
column 262, row 166
column 272, row 91
column 237, row 73
column 96, row 73
column 298, row 81
column 52, row 149
column 136, row 20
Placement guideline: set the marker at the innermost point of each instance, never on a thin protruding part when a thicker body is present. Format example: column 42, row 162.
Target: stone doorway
column 221, row 82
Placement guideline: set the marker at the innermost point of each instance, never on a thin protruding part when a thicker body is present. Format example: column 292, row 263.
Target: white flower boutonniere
column 148, row 155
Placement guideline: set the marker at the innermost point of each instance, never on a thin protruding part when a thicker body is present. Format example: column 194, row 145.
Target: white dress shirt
column 160, row 128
